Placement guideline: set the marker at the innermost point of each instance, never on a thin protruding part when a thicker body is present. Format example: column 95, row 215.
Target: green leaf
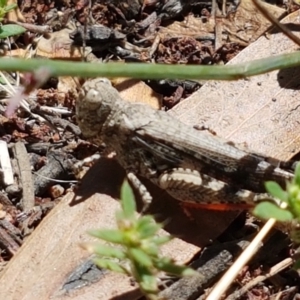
column 160, row 240
column 109, row 235
column 148, row 285
column 109, row 265
column 294, row 207
column 296, row 265
column 150, row 248
column 140, row 257
column 2, row 81
column 10, row 30
column 275, row 190
column 297, row 175
column 267, row 210
column 10, row 7
column 3, row 3
column 165, row 264
column 147, row 227
column 145, row 278
column 127, row 200
column 295, row 235
column 108, row 251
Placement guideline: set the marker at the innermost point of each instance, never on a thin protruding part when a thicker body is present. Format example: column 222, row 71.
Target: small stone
column 56, row 191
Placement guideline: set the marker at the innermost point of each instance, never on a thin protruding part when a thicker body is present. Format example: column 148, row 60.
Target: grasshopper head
column 94, row 105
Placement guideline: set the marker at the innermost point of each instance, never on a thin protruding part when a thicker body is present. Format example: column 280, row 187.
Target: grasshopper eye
column 92, row 95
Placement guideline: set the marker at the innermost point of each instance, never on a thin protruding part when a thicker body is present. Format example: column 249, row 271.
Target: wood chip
column 26, row 176
column 8, row 175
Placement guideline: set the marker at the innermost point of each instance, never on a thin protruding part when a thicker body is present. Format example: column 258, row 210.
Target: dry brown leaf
column 24, row 53
column 243, row 26
column 189, row 27
column 67, row 84
column 260, row 112
column 134, row 90
column 247, row 23
column 51, row 253
column 15, row 14
column 58, row 46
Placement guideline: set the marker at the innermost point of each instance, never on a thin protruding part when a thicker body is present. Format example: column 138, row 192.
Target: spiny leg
column 81, row 167
column 179, row 178
column 203, row 191
column 142, row 190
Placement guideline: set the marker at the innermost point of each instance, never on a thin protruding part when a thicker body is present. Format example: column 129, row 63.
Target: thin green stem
column 153, row 71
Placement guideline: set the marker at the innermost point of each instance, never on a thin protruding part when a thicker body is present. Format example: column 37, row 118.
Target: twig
column 11, row 91
column 8, row 175
column 274, row 270
column 26, row 177
column 234, row 270
column 56, row 110
column 34, row 28
column 9, row 240
column 8, row 87
column 275, row 22
column 213, row 262
column 59, row 167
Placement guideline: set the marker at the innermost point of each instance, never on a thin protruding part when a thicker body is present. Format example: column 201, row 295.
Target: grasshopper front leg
column 142, row 190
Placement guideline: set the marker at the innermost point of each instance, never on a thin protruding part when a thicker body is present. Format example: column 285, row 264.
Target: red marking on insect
column 218, row 206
